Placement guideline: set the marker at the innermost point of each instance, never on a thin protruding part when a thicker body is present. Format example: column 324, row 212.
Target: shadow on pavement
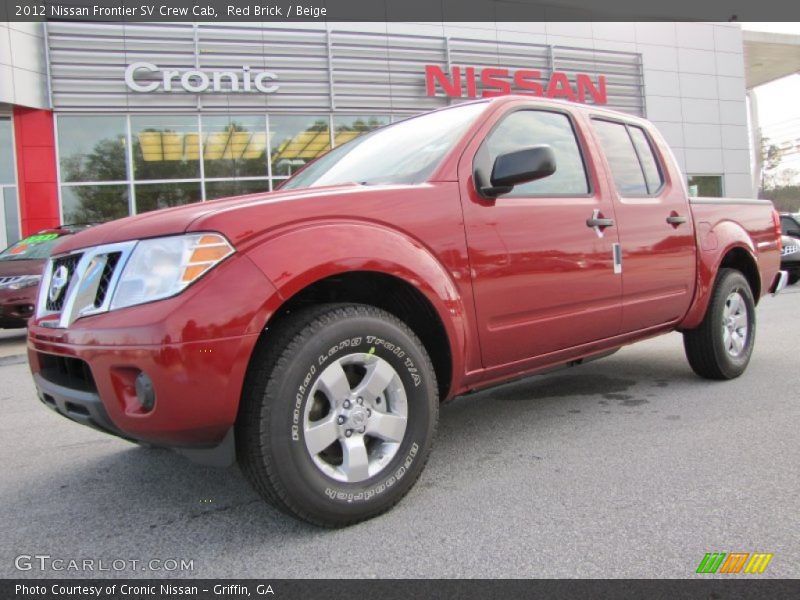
column 156, row 494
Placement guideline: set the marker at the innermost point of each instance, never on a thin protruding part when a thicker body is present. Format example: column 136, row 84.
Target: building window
column 235, row 146
column 93, row 203
column 180, row 159
column 165, row 148
column 152, row 196
column 236, row 187
column 92, row 148
column 9, row 210
column 346, row 127
column 709, row 186
column 7, row 175
column 295, row 140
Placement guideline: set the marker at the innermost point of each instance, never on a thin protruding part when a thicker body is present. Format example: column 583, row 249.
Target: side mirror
column 520, row 166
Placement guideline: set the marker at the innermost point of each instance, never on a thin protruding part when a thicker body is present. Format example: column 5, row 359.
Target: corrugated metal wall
column 317, row 70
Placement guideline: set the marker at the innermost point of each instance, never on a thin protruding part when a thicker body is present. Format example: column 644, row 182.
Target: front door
column 543, row 279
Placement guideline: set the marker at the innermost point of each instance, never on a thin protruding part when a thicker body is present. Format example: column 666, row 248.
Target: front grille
column 82, row 283
column 105, row 278
column 72, row 373
column 71, row 263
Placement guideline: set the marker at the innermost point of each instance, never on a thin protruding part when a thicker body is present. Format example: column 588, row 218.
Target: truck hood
column 190, row 217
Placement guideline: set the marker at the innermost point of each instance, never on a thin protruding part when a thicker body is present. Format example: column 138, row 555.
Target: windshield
column 34, row 247
column 405, row 152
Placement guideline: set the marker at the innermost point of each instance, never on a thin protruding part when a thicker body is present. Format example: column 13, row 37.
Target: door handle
column 675, row 220
column 598, row 222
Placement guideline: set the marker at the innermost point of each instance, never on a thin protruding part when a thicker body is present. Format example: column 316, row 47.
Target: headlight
column 20, row 283
column 162, row 267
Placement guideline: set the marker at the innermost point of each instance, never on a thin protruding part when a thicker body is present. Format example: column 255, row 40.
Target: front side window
column 526, row 128
column 404, row 152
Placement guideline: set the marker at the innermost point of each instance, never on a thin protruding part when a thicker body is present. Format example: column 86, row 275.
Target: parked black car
column 790, row 257
column 790, row 224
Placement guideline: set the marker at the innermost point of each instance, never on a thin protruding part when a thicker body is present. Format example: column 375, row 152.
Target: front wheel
column 720, row 348
column 338, row 413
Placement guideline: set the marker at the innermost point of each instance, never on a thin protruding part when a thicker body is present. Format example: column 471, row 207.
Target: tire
column 324, row 371
column 794, row 277
column 720, row 348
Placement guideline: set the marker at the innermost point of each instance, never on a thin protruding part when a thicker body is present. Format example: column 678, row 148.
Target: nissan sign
column 472, row 82
column 196, row 81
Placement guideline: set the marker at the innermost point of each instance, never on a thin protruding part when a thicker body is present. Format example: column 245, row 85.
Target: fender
column 714, row 243
column 292, row 260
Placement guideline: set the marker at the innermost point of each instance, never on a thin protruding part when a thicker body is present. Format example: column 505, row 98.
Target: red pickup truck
column 312, row 332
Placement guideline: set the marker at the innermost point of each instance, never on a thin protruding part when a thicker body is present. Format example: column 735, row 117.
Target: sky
column 778, row 105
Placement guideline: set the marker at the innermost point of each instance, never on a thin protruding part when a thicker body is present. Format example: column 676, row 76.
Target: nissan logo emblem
column 59, row 281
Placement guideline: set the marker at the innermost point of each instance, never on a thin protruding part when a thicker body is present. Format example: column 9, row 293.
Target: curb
column 14, row 359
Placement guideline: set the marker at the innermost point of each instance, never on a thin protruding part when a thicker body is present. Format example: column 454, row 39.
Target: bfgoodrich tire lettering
column 284, row 400
column 720, row 348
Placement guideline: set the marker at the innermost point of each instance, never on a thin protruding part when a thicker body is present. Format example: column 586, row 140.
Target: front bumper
column 194, row 348
column 85, row 407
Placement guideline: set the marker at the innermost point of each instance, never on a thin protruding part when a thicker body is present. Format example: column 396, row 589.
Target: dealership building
column 103, row 120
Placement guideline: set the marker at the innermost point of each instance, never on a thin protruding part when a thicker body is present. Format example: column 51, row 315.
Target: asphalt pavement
column 626, row 467
column 12, row 345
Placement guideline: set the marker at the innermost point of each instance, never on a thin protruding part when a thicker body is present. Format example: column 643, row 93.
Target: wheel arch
column 742, row 260
column 738, row 255
column 370, row 265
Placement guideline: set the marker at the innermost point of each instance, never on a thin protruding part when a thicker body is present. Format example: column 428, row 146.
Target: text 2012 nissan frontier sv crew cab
column 313, row 331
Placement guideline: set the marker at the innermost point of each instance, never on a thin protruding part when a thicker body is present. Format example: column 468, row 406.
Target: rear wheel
column 339, row 412
column 720, row 348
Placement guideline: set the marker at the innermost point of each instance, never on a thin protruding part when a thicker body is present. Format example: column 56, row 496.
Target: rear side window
column 525, row 128
column 652, row 174
column 630, row 157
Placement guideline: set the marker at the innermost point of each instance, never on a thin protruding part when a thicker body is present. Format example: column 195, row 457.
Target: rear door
column 654, row 224
column 543, row 279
